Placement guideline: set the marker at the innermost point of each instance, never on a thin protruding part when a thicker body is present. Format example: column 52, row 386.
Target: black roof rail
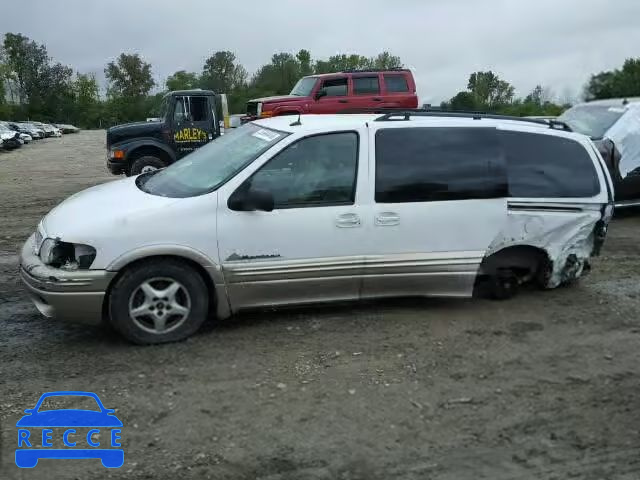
column 391, row 114
column 374, row 70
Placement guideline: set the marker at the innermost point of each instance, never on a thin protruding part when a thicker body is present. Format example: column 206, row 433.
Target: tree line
column 34, row 86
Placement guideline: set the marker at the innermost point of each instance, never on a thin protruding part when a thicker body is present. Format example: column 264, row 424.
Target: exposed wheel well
column 525, row 261
column 213, row 298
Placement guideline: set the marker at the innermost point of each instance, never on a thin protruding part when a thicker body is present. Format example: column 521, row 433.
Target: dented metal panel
column 566, row 232
column 625, row 133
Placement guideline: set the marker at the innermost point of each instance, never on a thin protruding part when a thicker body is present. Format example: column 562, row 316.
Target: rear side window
column 438, row 164
column 548, row 166
column 396, row 83
column 366, row 85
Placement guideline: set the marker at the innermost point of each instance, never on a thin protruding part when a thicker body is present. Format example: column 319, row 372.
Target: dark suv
column 336, row 92
column 189, row 119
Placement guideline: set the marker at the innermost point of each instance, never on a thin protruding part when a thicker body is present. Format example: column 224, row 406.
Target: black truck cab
column 189, row 120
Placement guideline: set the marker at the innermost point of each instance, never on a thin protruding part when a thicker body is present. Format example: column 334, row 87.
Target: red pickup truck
column 335, row 92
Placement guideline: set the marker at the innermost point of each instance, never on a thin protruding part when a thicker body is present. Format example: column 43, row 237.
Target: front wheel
column 146, row 164
column 158, row 301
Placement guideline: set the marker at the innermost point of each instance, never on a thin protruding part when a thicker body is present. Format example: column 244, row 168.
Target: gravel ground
column 544, row 386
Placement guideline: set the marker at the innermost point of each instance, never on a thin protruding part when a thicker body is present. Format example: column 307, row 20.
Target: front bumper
column 69, row 295
column 117, row 167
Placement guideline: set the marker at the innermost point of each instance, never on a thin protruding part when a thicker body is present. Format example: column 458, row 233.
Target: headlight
column 68, row 256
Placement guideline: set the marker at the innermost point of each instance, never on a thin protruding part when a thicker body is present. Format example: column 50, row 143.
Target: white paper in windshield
column 266, row 135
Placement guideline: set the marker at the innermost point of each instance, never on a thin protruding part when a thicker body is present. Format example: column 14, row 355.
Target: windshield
column 304, row 87
column 65, row 402
column 162, row 109
column 207, row 168
column 592, row 120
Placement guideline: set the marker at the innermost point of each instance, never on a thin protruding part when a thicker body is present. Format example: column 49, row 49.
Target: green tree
column 222, row 74
column 25, row 62
column 463, row 101
column 130, row 82
column 87, row 101
column 277, row 77
column 343, row 62
column 129, row 76
column 623, row 82
column 387, row 61
column 182, row 80
column 304, row 61
column 490, row 91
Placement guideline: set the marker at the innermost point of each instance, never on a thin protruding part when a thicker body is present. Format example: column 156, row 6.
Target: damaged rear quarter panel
column 567, row 236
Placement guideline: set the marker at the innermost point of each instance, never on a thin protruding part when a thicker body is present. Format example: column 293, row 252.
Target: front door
column 310, row 247
column 439, row 202
column 335, row 96
column 193, row 123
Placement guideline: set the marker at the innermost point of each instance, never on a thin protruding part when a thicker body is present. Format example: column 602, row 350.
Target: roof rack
column 392, row 114
column 375, row 70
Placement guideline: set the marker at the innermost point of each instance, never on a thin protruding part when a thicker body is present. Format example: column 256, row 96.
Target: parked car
column 20, row 129
column 337, row 92
column 614, row 127
column 35, row 132
column 10, row 138
column 65, row 128
column 333, row 207
column 24, row 137
column 189, row 120
column 49, row 130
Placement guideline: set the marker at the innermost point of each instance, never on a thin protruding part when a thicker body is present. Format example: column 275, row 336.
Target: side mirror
column 252, row 200
column 321, row 93
column 29, row 410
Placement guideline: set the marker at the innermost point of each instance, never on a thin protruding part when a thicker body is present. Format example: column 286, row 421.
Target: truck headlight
column 67, row 256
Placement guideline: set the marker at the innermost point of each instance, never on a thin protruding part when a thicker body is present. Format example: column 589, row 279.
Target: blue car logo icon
column 80, row 433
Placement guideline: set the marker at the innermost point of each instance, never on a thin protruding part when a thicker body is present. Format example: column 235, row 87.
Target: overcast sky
column 556, row 43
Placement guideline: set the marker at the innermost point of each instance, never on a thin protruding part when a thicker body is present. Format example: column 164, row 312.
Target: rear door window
column 366, row 85
column 547, row 166
column 396, row 83
column 438, row 164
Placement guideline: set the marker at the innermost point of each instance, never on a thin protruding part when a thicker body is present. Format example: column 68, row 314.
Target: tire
column 146, row 163
column 504, row 285
column 158, row 301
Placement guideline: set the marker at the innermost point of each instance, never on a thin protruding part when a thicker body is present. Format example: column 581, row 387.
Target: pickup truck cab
column 322, row 209
column 189, row 119
column 337, row 92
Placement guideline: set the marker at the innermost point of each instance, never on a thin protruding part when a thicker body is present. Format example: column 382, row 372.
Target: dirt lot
column 544, row 386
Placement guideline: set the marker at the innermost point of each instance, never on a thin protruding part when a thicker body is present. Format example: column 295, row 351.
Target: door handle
column 377, row 99
column 387, row 219
column 343, row 101
column 348, row 220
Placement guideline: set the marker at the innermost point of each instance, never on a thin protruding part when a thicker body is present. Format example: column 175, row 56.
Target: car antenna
column 297, row 123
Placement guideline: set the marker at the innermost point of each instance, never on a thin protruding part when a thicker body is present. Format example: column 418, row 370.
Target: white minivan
column 325, row 208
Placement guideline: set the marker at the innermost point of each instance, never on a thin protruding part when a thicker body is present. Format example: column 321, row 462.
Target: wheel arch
column 209, row 271
column 528, row 259
column 150, row 147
